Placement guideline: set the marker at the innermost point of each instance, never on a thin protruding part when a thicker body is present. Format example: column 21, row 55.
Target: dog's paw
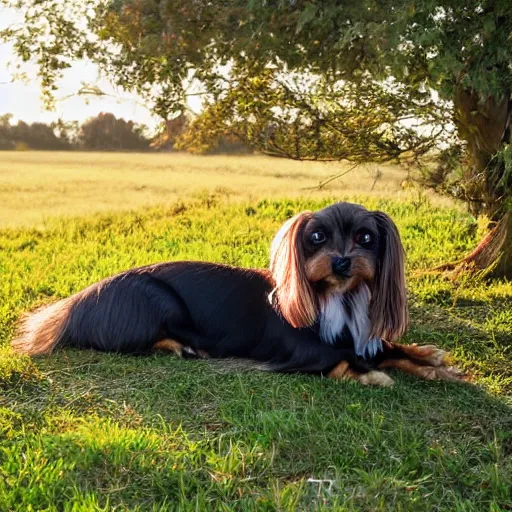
column 447, row 373
column 372, row 378
column 428, row 355
column 376, row 378
column 432, row 355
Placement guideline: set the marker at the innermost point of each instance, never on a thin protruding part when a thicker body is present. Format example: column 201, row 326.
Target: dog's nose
column 340, row 265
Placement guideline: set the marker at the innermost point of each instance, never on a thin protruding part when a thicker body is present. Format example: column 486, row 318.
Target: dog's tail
column 42, row 330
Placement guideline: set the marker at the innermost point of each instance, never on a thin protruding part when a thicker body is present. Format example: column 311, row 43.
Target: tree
column 6, row 141
column 67, row 131
column 39, row 136
column 309, row 118
column 169, row 131
column 460, row 49
column 33, row 136
column 106, row 132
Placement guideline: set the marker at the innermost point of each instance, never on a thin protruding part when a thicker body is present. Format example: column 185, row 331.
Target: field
column 87, row 431
column 37, row 186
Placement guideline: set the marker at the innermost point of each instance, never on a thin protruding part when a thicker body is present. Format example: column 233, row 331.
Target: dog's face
column 340, row 246
column 334, row 250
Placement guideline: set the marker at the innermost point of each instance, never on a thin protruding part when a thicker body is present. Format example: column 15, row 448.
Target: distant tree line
column 106, row 132
column 31, row 136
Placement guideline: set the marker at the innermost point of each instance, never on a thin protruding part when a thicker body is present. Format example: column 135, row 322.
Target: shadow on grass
column 104, row 430
column 96, row 431
column 477, row 338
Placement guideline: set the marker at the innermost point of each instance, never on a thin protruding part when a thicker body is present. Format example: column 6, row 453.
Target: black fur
column 222, row 310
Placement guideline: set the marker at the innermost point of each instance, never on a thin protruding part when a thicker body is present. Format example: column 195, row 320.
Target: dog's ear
column 295, row 295
column 389, row 314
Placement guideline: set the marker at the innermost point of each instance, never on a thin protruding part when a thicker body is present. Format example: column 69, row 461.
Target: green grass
column 87, row 431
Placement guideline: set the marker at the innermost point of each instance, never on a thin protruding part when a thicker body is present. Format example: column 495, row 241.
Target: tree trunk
column 493, row 255
column 484, row 125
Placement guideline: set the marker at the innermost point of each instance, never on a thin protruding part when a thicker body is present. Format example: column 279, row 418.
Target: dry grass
column 35, row 186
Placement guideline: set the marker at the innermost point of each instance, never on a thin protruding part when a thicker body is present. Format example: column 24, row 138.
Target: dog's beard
column 349, row 310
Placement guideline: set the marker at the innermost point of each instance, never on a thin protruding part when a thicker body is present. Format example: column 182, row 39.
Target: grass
column 36, row 186
column 86, row 431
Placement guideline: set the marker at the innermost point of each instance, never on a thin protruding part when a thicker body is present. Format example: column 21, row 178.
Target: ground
column 90, row 431
column 36, row 186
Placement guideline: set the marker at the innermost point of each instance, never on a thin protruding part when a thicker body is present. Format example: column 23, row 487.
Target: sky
column 24, row 100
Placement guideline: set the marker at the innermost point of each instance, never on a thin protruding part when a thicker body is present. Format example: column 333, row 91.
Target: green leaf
column 308, row 15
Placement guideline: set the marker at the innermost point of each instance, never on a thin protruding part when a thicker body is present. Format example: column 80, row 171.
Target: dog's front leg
column 425, row 361
column 342, row 371
column 175, row 347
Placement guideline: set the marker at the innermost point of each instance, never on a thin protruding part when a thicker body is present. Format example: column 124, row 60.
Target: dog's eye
column 364, row 239
column 318, row 237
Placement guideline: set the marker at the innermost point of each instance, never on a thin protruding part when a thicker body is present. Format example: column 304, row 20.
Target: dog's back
column 130, row 312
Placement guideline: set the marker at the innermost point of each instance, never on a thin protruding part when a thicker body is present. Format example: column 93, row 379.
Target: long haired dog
column 334, row 303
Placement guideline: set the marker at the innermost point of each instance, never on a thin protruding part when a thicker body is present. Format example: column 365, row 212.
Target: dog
column 332, row 303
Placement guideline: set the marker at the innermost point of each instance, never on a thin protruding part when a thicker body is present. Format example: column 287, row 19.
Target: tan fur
column 422, row 371
column 342, row 371
column 423, row 354
column 296, row 298
column 169, row 345
column 41, row 330
column 362, row 268
column 319, row 268
column 425, row 361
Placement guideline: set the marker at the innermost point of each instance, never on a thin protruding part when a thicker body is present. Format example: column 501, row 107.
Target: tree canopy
column 443, row 44
column 55, row 136
column 107, row 132
column 308, row 118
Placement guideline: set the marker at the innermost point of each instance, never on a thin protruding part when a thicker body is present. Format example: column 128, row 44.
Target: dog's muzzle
column 340, row 266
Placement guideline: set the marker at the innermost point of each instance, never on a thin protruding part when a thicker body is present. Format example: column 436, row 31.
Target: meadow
column 84, row 431
column 38, row 186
